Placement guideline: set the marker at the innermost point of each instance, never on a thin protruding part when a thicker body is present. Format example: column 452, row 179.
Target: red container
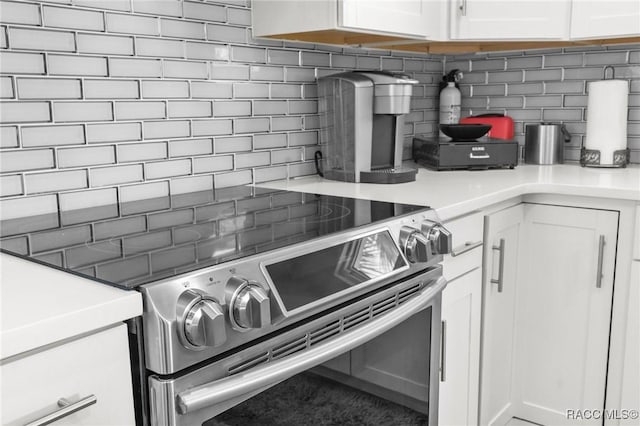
column 501, row 125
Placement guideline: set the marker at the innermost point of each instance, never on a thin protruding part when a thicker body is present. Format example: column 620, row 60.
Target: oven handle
column 214, row 393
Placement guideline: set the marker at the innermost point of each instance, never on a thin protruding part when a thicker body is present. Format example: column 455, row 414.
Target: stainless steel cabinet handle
column 463, row 8
column 66, row 408
column 443, row 353
column 478, row 156
column 468, row 246
column 500, row 279
column 600, row 260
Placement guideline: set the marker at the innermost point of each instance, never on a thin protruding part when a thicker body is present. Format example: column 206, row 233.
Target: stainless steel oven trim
column 187, row 400
column 159, row 317
column 341, row 294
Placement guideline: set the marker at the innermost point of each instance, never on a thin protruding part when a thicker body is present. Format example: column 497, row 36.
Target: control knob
column 203, row 321
column 438, row 236
column 415, row 244
column 249, row 306
column 420, row 245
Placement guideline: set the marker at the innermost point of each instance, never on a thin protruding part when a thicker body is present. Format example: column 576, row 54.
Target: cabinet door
column 631, row 380
column 94, row 365
column 510, row 19
column 503, row 232
column 408, row 17
column 398, row 360
column 564, row 312
column 605, row 18
column 460, row 364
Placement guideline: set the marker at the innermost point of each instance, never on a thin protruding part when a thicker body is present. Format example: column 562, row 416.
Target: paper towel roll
column 607, row 118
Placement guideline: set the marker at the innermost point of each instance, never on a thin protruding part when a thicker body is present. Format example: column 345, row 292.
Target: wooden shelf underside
column 388, row 42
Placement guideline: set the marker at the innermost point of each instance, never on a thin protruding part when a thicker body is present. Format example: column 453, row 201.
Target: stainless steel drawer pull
column 600, row 261
column 468, row 246
column 500, row 279
column 66, row 408
column 443, row 353
column 478, row 156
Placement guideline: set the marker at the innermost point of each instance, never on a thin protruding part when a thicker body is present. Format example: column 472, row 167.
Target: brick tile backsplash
column 47, row 182
column 136, row 99
column 132, row 24
column 111, row 89
column 36, row 39
column 77, row 65
column 106, row 176
column 106, row 45
column 21, row 63
column 64, row 17
column 20, row 13
column 204, row 11
column 49, row 88
column 547, row 85
column 11, row 185
column 82, row 111
column 120, row 132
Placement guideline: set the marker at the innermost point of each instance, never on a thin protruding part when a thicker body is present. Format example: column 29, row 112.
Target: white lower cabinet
column 93, row 367
column 503, row 233
column 546, row 334
column 394, row 365
column 398, row 359
column 460, row 364
column 564, row 312
column 631, row 382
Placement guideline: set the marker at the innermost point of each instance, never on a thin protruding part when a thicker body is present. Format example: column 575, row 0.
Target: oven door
column 354, row 347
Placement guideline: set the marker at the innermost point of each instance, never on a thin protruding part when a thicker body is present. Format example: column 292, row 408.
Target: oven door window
column 385, row 381
column 313, row 277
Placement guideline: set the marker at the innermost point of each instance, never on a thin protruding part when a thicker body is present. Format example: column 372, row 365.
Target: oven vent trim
column 356, row 318
column 333, row 328
column 325, row 332
column 253, row 362
column 290, row 347
column 408, row 293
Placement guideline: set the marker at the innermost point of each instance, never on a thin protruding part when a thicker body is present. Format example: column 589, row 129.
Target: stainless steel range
column 244, row 288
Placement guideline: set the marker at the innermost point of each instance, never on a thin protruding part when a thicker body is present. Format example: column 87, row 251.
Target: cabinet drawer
column 466, row 255
column 94, row 365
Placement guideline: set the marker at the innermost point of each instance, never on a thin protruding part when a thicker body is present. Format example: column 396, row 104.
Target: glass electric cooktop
column 139, row 242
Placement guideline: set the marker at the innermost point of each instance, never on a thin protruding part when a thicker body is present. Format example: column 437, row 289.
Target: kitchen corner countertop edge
column 42, row 306
column 455, row 193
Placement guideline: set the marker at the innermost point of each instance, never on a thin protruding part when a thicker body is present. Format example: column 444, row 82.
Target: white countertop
column 41, row 305
column 453, row 193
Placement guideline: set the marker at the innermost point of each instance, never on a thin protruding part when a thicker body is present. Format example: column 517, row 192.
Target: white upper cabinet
column 605, row 18
column 509, row 19
column 421, row 25
column 400, row 18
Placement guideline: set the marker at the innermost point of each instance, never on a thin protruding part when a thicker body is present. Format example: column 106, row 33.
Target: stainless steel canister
column 544, row 143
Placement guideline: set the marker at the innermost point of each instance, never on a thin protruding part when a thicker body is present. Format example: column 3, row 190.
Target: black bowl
column 465, row 132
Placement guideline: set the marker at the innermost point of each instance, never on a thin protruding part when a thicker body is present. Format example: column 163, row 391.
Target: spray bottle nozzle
column 452, row 76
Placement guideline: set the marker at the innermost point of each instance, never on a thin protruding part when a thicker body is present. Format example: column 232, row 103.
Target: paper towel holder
column 613, row 72
column 591, row 157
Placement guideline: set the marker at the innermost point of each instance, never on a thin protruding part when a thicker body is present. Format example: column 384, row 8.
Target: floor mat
column 307, row 399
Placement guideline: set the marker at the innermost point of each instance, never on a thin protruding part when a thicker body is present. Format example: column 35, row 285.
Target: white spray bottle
column 450, row 99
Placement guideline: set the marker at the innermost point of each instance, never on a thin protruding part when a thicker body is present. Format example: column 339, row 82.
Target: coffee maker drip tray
column 446, row 154
column 390, row 175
